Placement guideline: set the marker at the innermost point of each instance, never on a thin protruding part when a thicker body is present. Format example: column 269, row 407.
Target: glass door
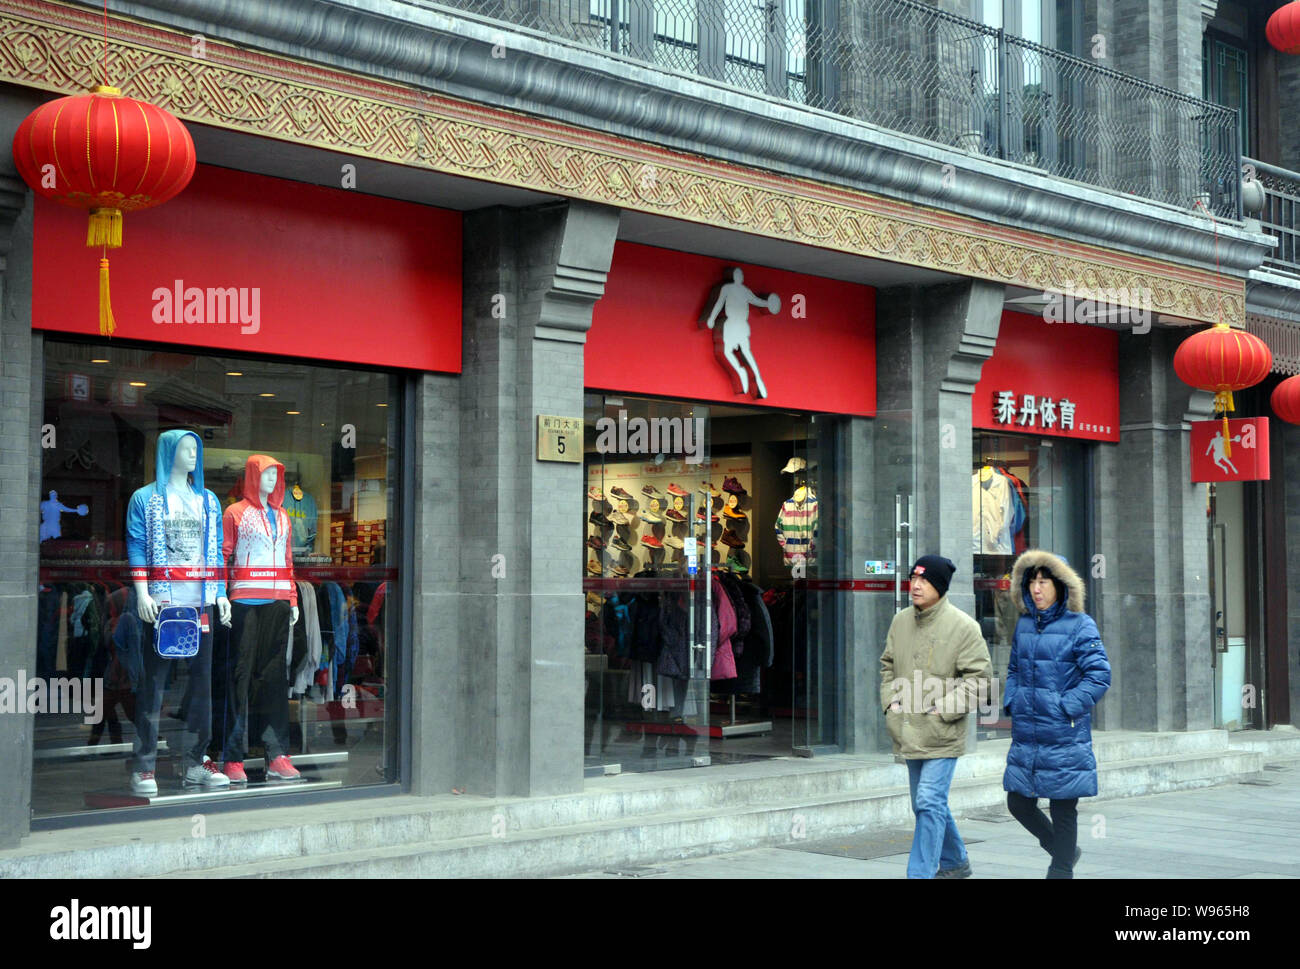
column 649, row 522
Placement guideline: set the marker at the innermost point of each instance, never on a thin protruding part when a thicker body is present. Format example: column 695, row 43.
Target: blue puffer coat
column 1058, row 672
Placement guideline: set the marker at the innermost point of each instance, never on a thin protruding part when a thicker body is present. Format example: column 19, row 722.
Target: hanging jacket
column 146, row 535
column 1057, row 673
column 675, row 655
column 724, row 662
column 261, row 563
column 731, row 586
column 759, row 647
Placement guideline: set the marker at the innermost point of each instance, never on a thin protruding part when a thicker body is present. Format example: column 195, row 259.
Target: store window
column 687, row 672
column 217, row 575
column 1027, row 492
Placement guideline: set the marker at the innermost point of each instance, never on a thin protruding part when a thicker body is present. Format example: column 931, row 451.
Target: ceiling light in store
column 293, row 412
column 234, row 373
column 138, row 383
column 381, row 405
column 99, row 360
column 266, row 395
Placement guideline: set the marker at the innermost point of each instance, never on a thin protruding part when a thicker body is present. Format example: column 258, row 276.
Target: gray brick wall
column 1154, row 604
column 519, row 644
column 20, row 463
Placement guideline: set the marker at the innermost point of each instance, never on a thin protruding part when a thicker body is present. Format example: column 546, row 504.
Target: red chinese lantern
column 1286, row 400
column 1283, row 28
column 106, row 153
column 1222, row 360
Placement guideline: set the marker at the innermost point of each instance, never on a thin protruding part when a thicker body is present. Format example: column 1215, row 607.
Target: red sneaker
column 234, row 769
column 651, row 541
column 673, row 489
column 281, row 770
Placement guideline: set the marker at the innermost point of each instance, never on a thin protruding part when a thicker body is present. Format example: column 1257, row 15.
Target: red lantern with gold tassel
column 1286, row 400
column 1222, row 360
column 1283, row 28
column 106, row 153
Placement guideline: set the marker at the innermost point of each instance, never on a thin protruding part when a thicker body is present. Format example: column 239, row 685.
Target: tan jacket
column 933, row 658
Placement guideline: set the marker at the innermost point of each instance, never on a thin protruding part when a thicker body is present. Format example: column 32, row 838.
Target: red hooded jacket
column 262, row 568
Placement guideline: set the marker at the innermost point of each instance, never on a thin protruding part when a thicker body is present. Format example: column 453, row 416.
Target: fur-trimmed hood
column 1034, row 558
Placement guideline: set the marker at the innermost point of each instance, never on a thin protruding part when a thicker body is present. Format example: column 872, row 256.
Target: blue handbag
column 177, row 629
column 176, row 635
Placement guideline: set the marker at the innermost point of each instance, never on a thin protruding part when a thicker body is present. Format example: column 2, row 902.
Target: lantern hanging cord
column 105, row 41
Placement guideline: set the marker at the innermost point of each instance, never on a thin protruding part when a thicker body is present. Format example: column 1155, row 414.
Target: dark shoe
column 963, row 872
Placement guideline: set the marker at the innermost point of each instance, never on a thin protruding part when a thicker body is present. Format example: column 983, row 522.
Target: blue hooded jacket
column 146, row 540
column 1058, row 672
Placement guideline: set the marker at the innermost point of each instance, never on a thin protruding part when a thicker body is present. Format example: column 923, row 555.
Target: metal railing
column 908, row 66
column 1278, row 215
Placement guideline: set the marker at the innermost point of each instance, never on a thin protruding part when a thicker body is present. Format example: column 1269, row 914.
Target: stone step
column 671, row 835
column 266, row 838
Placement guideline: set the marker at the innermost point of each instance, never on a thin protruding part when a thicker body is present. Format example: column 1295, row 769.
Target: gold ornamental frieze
column 59, row 48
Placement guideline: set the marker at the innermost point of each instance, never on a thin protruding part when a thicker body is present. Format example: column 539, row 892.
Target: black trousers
column 1059, row 837
column 257, row 684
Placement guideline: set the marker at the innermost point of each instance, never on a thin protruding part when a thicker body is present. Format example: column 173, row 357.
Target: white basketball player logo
column 734, row 300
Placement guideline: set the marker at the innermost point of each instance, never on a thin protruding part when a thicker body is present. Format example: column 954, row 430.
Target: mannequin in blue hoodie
column 173, row 531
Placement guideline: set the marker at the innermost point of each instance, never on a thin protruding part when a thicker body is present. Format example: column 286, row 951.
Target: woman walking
column 1058, row 672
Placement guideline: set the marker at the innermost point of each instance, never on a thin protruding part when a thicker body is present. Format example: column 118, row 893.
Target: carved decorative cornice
column 58, row 48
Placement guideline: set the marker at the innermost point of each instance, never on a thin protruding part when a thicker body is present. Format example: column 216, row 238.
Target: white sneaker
column 142, row 782
column 206, row 775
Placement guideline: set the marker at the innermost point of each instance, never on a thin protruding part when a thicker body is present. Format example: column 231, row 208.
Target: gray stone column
column 531, row 279
column 1288, row 436
column 1154, row 596
column 21, row 397
column 931, row 344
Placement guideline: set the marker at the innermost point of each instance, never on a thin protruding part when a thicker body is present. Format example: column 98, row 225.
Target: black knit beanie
column 936, row 570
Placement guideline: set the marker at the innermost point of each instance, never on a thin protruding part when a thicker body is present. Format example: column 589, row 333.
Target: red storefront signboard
column 264, row 265
column 812, row 347
column 1248, row 460
column 1056, row 380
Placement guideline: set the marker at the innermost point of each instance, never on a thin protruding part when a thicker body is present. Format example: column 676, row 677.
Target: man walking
column 933, row 669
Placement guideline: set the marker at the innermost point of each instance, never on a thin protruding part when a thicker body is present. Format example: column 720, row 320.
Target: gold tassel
column 105, row 228
column 106, row 322
column 1223, row 402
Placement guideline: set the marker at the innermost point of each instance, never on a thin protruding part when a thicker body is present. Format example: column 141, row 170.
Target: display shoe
column 621, row 518
column 733, row 513
column 206, row 775
column 596, row 518
column 650, row 491
column 620, row 494
column 143, row 782
column 672, row 541
column 731, row 540
column 593, row 567
column 620, row 571
column 699, row 516
column 234, row 769
column 673, row 515
column 707, row 489
column 594, row 494
column 651, row 517
column 596, row 542
column 281, row 770
column 651, row 542
column 617, row 543
column 679, row 492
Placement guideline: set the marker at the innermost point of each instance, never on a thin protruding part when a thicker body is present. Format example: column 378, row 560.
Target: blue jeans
column 935, row 842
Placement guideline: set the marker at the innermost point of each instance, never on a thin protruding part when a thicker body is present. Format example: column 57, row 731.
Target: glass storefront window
column 1027, row 492
column 669, row 683
column 169, row 478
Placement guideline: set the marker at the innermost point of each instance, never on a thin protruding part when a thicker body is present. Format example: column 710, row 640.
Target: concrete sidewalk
column 1234, row 830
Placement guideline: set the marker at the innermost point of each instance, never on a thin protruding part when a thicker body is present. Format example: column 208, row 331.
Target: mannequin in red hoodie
column 256, row 545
